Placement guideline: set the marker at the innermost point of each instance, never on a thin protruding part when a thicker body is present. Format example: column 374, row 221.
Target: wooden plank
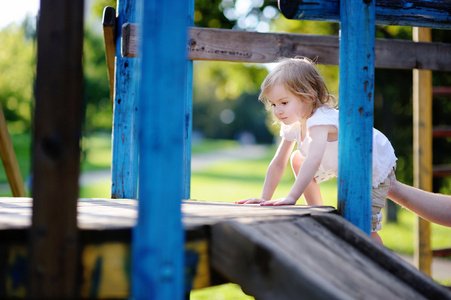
column 383, row 256
column 421, row 13
column 9, row 160
column 188, row 112
column 124, row 148
column 105, row 264
column 356, row 89
column 56, row 153
column 282, row 260
column 446, row 252
column 158, row 258
column 422, row 151
column 109, row 39
column 249, row 259
column 350, row 259
column 245, row 46
column 112, row 214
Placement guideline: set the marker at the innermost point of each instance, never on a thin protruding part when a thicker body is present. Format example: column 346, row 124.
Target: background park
column 226, row 115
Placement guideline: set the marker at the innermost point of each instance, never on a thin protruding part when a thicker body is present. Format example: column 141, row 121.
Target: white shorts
column 378, row 196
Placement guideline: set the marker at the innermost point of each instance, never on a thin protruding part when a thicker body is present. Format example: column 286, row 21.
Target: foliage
column 98, row 106
column 98, row 6
column 17, row 64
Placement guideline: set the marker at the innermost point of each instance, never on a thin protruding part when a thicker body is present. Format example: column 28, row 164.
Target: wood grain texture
column 421, row 13
column 383, row 256
column 56, row 153
column 422, row 152
column 245, row 46
column 124, row 148
column 277, row 253
column 109, row 40
column 158, row 236
column 285, row 259
column 356, row 106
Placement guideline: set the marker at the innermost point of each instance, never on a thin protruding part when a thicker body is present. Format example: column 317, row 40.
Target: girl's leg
column 312, row 193
column 376, row 237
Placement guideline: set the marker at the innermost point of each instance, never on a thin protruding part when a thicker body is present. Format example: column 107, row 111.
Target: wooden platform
column 272, row 252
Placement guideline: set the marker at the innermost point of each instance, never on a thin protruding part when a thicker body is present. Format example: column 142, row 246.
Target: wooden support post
column 422, row 13
column 9, row 160
column 157, row 244
column 188, row 119
column 124, row 165
column 356, row 111
column 109, row 39
column 422, row 147
column 56, row 154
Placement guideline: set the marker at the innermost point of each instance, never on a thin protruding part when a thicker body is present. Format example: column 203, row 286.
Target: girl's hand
column 281, row 201
column 250, row 201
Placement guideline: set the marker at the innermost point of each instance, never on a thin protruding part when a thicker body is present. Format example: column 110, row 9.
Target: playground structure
column 157, row 255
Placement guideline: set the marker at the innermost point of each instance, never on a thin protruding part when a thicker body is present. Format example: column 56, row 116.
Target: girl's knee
column 296, row 161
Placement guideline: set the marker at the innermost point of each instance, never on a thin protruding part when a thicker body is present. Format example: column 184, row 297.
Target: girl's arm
column 309, row 167
column 275, row 172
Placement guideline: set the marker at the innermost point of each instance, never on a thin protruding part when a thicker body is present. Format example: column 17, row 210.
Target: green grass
column 209, row 145
column 22, row 148
column 96, row 152
column 95, row 155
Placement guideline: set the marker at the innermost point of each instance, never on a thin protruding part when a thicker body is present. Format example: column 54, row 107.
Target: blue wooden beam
column 420, row 13
column 356, row 111
column 124, row 164
column 188, row 114
column 158, row 237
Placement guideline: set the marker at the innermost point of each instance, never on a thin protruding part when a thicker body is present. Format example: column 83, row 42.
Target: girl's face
column 287, row 107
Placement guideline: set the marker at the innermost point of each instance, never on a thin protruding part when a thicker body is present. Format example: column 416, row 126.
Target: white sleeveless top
column 384, row 159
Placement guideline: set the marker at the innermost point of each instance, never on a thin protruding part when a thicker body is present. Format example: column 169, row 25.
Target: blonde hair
column 300, row 77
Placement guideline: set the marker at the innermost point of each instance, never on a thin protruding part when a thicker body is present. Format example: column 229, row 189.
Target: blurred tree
column 17, row 64
column 98, row 108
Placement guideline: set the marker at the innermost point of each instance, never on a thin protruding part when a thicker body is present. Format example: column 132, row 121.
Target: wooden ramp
column 314, row 257
column 272, row 252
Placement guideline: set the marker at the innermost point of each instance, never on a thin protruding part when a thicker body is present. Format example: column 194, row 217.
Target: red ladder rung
column 441, row 132
column 441, row 91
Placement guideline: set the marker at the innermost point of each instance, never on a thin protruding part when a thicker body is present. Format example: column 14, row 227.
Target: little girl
column 298, row 96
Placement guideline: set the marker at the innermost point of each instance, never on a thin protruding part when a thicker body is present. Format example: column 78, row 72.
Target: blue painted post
column 124, row 164
column 356, row 111
column 158, row 237
column 188, row 114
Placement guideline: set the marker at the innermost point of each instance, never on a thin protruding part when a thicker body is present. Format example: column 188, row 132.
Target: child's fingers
column 268, row 203
column 249, row 201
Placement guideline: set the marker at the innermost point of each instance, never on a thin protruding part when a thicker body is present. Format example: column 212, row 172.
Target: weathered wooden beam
column 420, row 13
column 244, row 46
column 109, row 39
column 158, row 254
column 356, row 88
column 383, row 257
column 422, row 152
column 124, row 154
column 56, row 151
column 188, row 106
column 9, row 160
